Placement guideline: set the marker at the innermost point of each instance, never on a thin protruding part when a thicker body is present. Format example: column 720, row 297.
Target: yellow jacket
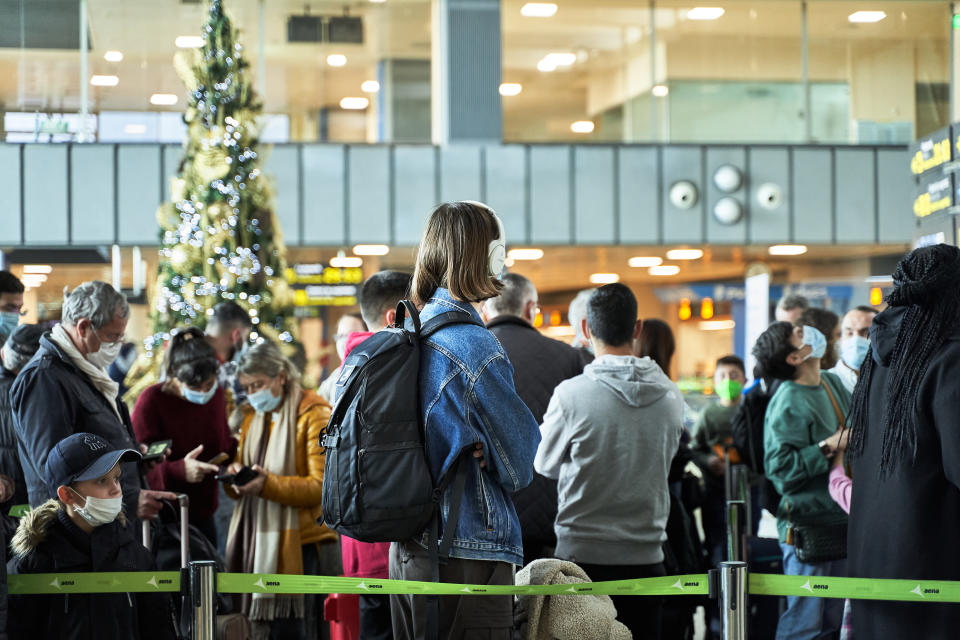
column 304, row 490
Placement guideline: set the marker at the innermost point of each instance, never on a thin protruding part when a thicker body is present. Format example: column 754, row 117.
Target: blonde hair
column 455, row 253
column 265, row 358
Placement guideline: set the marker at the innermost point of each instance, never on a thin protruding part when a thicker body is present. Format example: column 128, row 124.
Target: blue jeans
column 810, row 618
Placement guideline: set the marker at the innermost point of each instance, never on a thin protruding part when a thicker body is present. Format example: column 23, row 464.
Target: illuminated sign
column 318, row 285
column 933, row 197
column 931, row 152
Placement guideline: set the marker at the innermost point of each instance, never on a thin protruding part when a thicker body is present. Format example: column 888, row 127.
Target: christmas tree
column 219, row 237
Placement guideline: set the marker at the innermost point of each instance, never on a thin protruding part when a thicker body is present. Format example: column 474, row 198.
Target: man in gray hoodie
column 608, row 437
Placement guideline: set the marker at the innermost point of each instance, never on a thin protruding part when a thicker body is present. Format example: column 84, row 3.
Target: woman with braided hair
column 905, row 449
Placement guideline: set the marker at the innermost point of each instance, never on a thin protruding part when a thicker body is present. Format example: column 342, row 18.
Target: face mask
column 240, row 349
column 98, row 511
column 853, row 351
column 263, row 400
column 8, row 322
column 197, row 397
column 729, row 389
column 105, row 356
column 813, row 337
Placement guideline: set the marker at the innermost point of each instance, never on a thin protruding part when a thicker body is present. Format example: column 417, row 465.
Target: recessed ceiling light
column 604, row 278
column 164, row 99
column 113, row 56
column 644, row 262
column 37, row 268
column 684, row 254
column 788, row 249
column 664, row 270
column 660, row 90
column 705, row 13
column 378, row 1
column 370, row 86
column 345, row 262
column 104, row 81
column 525, row 254
column 546, row 66
column 538, row 9
column 561, row 59
column 582, row 126
column 866, row 16
column 189, row 42
column 135, row 129
column 510, row 88
column 371, row 250
column 354, row 103
column 336, row 59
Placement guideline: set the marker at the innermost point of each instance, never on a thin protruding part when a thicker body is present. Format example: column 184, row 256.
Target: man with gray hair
column 790, row 308
column 539, row 365
column 575, row 315
column 65, row 389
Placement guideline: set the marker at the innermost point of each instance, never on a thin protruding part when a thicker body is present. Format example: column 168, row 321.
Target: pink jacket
column 363, row 559
column 840, row 487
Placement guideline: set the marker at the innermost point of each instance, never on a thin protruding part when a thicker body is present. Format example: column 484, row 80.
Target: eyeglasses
column 122, row 339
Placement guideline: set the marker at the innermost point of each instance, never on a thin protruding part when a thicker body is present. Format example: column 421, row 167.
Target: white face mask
column 99, row 511
column 105, row 356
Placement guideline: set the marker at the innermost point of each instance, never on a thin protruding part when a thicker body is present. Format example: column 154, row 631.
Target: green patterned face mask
column 729, row 389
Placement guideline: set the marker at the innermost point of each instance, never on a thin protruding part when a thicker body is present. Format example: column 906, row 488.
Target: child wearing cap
column 84, row 530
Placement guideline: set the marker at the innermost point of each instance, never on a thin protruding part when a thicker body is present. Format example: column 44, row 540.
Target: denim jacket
column 467, row 396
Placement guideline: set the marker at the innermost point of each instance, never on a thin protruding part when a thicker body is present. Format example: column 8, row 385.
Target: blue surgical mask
column 853, row 350
column 197, row 397
column 263, row 400
column 813, row 337
column 8, row 322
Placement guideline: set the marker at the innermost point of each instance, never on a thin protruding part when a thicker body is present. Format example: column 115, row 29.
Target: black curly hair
column 190, row 358
column 771, row 351
column 926, row 283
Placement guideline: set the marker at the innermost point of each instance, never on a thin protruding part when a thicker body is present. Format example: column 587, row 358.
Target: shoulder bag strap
column 841, row 422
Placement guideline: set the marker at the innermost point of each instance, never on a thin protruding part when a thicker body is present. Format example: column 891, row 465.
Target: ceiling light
column 684, row 254
column 546, row 66
column 604, row 278
column 538, row 9
column 37, row 268
column 378, row 1
column 866, row 16
column 164, row 99
column 664, row 270
column 582, row 126
column 345, row 262
column 336, row 59
column 705, row 13
column 135, row 129
column 113, row 56
column 561, row 59
column 645, row 262
column 371, row 250
column 717, row 325
column 104, row 81
column 788, row 249
column 354, row 103
column 189, row 42
column 510, row 88
column 370, row 86
column 525, row 254
column 660, row 90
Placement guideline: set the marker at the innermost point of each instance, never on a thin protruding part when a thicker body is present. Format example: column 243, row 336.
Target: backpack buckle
column 331, row 441
column 437, row 495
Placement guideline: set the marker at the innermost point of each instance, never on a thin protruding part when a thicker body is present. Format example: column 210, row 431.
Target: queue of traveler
column 576, row 465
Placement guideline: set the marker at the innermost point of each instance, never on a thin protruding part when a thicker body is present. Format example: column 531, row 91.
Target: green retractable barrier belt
column 763, row 584
column 49, row 583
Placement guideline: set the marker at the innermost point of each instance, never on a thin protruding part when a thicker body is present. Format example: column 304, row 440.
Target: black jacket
column 9, row 456
column 906, row 525
column 539, row 365
column 47, row 541
column 51, row 400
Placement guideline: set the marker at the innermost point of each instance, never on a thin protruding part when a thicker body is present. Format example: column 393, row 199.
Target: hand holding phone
column 240, row 478
column 156, row 450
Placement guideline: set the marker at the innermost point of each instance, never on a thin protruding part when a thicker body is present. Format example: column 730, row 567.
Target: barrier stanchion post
column 736, row 531
column 203, row 579
column 733, row 600
column 740, row 486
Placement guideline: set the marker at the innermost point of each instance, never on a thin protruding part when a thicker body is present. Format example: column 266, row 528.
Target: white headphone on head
column 497, row 251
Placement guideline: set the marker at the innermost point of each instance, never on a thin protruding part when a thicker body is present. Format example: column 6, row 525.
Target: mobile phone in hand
column 156, row 450
column 240, row 478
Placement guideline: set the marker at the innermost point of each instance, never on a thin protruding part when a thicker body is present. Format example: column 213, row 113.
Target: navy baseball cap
column 83, row 456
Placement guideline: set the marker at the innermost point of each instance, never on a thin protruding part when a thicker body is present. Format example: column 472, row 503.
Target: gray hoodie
column 608, row 436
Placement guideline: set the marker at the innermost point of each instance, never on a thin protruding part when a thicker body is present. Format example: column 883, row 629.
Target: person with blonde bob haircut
column 274, row 528
column 469, row 407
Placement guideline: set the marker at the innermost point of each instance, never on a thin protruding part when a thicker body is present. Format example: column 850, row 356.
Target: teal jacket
column 797, row 419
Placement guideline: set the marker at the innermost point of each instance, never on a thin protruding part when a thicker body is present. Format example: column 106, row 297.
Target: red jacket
column 363, row 559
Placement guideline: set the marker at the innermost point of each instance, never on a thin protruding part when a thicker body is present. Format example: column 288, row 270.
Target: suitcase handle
column 184, row 501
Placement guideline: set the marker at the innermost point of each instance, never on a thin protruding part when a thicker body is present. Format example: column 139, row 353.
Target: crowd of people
column 582, row 461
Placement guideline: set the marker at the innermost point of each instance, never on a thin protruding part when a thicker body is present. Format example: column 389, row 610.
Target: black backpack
column 377, row 486
column 747, row 427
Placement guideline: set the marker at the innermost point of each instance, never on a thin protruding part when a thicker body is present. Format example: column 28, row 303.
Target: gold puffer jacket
column 304, row 490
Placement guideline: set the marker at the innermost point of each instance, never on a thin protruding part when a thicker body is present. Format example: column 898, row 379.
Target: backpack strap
column 440, row 549
column 442, row 320
column 405, row 307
